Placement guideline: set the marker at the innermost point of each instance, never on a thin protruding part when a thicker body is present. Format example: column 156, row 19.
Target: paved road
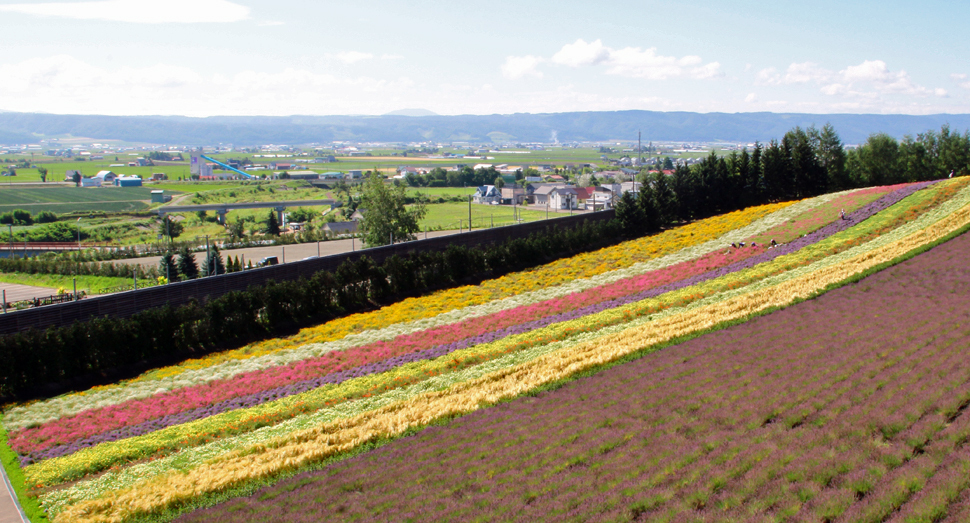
column 288, row 253
column 17, row 292
column 9, row 512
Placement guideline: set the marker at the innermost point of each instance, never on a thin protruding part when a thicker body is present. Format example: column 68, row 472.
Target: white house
column 564, row 198
column 487, row 194
column 91, row 182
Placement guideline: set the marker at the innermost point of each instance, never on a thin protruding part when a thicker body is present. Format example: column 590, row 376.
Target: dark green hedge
column 56, row 359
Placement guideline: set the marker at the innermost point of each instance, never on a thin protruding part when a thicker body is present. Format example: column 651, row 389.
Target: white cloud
column 582, row 53
column 876, row 74
column 751, row 98
column 797, row 73
column 516, row 67
column 65, row 84
column 961, row 80
column 139, row 11
column 350, row 57
column 866, row 80
column 634, row 62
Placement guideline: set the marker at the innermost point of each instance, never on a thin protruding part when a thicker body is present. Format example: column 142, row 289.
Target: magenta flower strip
column 437, row 351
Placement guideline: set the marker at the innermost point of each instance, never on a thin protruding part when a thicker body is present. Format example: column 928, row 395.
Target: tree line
column 804, row 163
column 59, row 356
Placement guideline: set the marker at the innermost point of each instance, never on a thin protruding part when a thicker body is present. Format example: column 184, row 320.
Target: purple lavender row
column 437, row 351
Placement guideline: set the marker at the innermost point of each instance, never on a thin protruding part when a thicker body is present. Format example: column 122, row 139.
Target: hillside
column 565, row 127
column 715, row 390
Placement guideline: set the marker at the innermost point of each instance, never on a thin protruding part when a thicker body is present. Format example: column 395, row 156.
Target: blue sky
column 284, row 57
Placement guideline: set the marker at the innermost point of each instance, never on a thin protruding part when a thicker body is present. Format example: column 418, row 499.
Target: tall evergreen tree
column 683, row 186
column 742, row 170
column 646, row 201
column 789, row 180
column 630, row 215
column 168, row 267
column 808, row 174
column 188, row 268
column 774, row 170
column 213, row 263
column 664, row 200
column 272, row 224
column 757, row 174
column 831, row 154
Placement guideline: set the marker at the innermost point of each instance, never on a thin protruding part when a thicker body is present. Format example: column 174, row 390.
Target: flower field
column 184, row 436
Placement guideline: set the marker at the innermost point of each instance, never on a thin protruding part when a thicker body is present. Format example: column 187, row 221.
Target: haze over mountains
column 564, row 127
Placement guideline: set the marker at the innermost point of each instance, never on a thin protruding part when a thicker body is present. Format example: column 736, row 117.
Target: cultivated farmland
column 73, row 199
column 808, row 413
column 848, row 407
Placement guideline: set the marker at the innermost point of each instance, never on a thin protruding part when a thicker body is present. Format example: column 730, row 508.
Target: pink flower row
column 96, row 421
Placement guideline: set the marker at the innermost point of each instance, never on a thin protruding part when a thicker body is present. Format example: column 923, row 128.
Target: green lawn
column 441, row 191
column 88, row 284
column 449, row 216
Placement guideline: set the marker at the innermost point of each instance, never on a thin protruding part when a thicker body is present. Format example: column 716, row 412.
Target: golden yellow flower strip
column 311, row 445
column 554, row 273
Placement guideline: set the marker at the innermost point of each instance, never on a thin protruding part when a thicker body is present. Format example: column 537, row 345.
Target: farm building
column 307, row 175
column 341, row 228
column 513, row 195
column 106, row 177
column 159, row 196
column 128, row 181
column 91, row 182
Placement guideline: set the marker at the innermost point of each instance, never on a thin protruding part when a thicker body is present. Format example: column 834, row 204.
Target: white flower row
column 55, row 408
column 55, row 501
column 186, row 459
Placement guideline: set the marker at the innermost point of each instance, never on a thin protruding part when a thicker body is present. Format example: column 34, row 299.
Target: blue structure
column 228, row 167
column 128, row 181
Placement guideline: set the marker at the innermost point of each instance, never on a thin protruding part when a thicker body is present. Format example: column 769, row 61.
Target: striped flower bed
column 174, row 436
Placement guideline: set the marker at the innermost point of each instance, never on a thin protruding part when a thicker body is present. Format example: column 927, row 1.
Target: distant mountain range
column 601, row 126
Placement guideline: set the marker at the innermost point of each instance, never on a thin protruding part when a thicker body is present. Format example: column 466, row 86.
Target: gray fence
column 125, row 304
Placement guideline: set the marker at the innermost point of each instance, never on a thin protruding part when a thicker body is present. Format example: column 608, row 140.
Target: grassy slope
column 89, row 284
column 448, row 215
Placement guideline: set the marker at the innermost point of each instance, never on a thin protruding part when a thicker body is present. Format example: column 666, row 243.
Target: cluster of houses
column 104, row 178
column 554, row 195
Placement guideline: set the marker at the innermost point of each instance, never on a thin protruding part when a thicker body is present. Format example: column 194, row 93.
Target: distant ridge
column 602, row 126
column 411, row 112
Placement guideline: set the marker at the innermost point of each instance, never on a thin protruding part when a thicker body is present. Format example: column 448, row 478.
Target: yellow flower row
column 549, row 275
column 96, row 458
column 311, row 445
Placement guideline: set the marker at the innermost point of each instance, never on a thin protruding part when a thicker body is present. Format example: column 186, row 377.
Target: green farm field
column 441, row 191
column 452, row 215
column 57, row 168
column 60, row 199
